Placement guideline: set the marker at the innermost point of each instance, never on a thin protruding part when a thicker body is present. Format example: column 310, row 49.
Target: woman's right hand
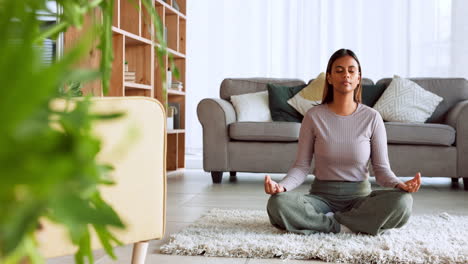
column 272, row 187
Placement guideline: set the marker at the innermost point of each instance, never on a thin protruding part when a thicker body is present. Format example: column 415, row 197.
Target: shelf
column 182, row 34
column 172, row 23
column 182, row 5
column 175, row 92
column 130, row 16
column 175, row 53
column 115, row 17
column 139, row 57
column 137, row 86
column 146, row 24
column 160, row 10
column 180, row 64
column 134, row 42
column 132, row 39
column 129, row 91
column 175, row 151
column 179, row 103
column 176, row 131
column 116, row 87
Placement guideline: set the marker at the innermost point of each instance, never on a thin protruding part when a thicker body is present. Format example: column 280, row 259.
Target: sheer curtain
column 295, row 38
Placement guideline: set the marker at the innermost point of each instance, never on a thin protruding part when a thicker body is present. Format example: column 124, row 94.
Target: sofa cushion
column 419, row 134
column 314, row 89
column 397, row 133
column 278, row 95
column 236, row 86
column 371, row 93
column 406, row 101
column 453, row 90
column 265, row 131
column 252, row 107
column 368, row 96
column 310, row 96
column 365, row 81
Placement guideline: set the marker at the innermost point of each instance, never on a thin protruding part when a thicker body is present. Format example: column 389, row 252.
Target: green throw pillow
column 371, row 93
column 278, row 95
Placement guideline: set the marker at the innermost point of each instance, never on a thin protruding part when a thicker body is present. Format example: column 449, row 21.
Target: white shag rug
column 248, row 234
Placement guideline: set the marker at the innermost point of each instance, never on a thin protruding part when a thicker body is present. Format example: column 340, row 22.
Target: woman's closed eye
column 341, row 71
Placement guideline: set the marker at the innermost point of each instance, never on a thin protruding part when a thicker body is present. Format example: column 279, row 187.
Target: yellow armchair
column 136, row 146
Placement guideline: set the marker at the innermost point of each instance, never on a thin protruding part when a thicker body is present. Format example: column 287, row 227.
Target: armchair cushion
column 265, row 131
column 139, row 193
column 420, row 134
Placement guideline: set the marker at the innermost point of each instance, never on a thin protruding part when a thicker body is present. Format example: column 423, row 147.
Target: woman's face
column 344, row 76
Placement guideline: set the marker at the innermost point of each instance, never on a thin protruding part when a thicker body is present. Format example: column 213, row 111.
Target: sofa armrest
column 223, row 110
column 456, row 112
column 458, row 118
column 215, row 115
column 135, row 145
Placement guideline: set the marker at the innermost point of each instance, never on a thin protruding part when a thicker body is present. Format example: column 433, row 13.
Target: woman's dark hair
column 328, row 88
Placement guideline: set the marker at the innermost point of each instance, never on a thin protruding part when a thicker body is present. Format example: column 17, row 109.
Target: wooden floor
column 191, row 193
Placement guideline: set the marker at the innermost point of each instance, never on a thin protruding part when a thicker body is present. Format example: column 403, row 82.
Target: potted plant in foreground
column 49, row 173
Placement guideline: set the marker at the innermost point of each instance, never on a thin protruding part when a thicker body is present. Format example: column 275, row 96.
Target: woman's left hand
column 411, row 185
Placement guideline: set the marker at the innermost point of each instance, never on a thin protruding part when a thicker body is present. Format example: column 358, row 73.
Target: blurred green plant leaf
column 48, row 156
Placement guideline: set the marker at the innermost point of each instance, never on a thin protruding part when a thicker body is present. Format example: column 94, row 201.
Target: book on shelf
column 129, row 76
column 177, row 85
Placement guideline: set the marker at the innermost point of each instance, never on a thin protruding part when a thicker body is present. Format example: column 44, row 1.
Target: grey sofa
column 437, row 148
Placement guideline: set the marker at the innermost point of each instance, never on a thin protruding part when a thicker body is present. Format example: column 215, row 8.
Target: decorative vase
column 171, row 111
column 168, row 79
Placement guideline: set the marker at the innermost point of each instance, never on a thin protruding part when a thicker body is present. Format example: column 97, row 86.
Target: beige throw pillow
column 405, row 101
column 310, row 96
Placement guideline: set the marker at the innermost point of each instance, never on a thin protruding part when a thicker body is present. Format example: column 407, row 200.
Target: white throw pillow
column 252, row 107
column 310, row 96
column 405, row 101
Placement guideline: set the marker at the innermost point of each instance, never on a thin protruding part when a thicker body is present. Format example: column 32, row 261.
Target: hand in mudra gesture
column 272, row 187
column 411, row 185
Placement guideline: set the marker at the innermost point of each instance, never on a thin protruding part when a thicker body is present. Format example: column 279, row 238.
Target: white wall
column 294, row 39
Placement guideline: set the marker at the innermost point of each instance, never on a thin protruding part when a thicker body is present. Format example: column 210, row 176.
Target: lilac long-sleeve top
column 342, row 146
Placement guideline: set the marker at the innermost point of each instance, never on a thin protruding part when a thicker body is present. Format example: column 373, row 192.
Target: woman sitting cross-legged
column 343, row 134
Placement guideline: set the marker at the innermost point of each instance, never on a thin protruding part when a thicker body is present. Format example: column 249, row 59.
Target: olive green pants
column 353, row 204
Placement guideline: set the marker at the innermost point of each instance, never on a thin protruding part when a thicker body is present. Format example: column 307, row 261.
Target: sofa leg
column 217, row 176
column 232, row 176
column 465, row 184
column 455, row 182
column 139, row 252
